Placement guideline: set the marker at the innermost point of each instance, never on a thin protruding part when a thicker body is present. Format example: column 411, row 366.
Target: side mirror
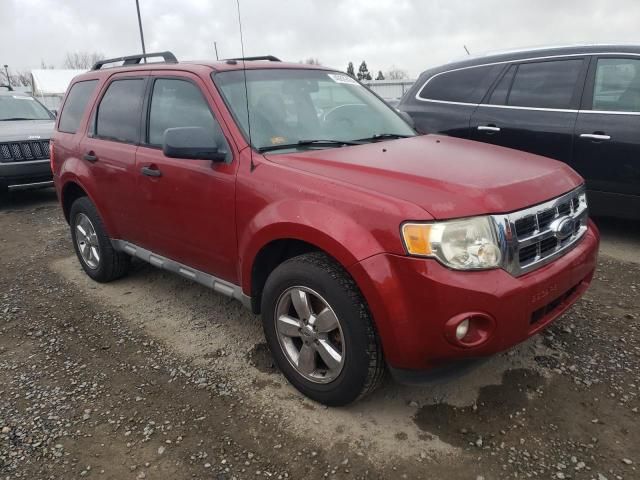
column 407, row 118
column 194, row 143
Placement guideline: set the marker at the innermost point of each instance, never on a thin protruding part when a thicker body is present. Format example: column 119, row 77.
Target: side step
column 215, row 283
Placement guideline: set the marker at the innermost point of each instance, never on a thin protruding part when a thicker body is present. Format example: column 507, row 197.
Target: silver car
column 25, row 128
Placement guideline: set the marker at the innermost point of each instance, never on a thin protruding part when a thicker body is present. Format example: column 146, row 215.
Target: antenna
column 246, row 89
column 215, row 46
column 466, row 49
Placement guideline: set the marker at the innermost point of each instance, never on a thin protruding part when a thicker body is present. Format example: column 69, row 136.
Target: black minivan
column 578, row 104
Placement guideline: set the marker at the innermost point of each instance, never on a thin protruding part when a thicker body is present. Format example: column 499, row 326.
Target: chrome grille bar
column 535, row 236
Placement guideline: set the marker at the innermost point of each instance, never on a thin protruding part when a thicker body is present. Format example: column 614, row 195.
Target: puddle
column 496, row 409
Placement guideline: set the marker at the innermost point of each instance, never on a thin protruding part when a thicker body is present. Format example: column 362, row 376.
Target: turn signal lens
column 416, row 238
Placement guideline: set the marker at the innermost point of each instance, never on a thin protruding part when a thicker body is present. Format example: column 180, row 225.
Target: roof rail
column 270, row 58
column 168, row 57
column 8, row 87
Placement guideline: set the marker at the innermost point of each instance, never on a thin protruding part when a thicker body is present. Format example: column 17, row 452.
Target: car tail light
column 51, row 155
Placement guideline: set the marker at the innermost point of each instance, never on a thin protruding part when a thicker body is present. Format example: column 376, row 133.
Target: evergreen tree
column 363, row 72
column 380, row 75
column 350, row 70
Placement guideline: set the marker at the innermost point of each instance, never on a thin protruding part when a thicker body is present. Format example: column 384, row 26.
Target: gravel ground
column 155, row 377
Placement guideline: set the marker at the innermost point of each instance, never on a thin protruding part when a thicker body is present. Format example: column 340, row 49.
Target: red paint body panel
column 411, row 300
column 349, row 202
column 432, row 171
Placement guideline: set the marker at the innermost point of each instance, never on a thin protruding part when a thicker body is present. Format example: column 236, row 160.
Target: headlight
column 465, row 244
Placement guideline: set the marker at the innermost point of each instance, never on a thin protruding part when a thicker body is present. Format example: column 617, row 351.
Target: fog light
column 462, row 329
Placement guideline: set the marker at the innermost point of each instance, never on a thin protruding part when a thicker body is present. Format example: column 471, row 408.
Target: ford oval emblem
column 563, row 227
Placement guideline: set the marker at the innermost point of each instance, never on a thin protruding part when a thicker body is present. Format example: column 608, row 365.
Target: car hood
column 14, row 130
column 448, row 177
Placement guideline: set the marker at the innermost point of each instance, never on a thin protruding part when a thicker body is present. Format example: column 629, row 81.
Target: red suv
column 297, row 191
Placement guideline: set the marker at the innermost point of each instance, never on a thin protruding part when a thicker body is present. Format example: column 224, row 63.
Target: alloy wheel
column 310, row 334
column 87, row 241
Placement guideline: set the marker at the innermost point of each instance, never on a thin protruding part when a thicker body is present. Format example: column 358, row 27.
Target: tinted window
column 617, row 85
column 500, row 93
column 178, row 103
column 545, row 84
column 468, row 85
column 119, row 111
column 75, row 104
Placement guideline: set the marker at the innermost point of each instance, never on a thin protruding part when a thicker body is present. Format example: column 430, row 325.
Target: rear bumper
column 412, row 300
column 23, row 174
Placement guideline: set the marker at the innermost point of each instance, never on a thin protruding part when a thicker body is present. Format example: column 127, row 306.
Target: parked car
column 579, row 105
column 25, row 128
column 360, row 243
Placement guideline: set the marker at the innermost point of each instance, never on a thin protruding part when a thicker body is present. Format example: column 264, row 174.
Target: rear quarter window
column 467, row 85
column 75, row 105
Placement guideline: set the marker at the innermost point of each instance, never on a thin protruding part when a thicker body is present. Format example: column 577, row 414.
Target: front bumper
column 412, row 299
column 27, row 173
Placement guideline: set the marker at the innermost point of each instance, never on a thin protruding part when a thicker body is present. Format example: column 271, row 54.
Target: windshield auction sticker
column 340, row 78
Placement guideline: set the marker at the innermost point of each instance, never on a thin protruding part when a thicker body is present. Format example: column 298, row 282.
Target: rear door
column 188, row 205
column 607, row 152
column 109, row 150
column 533, row 107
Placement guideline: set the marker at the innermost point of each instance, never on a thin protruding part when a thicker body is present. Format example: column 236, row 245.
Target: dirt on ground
column 155, row 377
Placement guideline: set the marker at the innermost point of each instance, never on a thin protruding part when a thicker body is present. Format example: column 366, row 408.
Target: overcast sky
column 409, row 34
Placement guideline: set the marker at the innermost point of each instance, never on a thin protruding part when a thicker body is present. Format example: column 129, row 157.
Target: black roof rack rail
column 8, row 87
column 270, row 58
column 168, row 57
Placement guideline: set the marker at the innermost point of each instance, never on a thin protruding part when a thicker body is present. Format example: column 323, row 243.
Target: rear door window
column 548, row 84
column 617, row 85
column 178, row 103
column 501, row 92
column 75, row 105
column 467, row 85
column 118, row 116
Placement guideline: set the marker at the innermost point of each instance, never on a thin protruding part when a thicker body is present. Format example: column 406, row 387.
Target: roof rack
column 269, row 58
column 8, row 87
column 168, row 57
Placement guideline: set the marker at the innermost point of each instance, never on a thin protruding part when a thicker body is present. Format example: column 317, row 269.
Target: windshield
column 291, row 106
column 19, row 107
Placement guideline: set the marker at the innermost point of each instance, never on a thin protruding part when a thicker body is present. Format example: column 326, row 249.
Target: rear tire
column 93, row 247
column 342, row 360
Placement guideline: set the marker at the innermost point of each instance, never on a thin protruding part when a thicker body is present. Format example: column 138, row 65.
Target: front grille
column 539, row 234
column 24, row 151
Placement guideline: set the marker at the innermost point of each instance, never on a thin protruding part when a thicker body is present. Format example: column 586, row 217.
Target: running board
column 214, row 283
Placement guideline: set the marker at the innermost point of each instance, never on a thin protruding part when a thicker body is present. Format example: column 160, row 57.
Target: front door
column 607, row 134
column 533, row 108
column 188, row 205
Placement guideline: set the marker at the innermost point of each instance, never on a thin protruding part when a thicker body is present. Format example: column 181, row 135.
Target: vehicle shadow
column 25, row 199
column 620, row 238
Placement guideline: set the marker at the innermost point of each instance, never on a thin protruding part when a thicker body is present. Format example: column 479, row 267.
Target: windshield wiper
column 383, row 136
column 312, row 143
column 14, row 118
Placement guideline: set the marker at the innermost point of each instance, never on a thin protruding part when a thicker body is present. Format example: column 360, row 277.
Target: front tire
column 319, row 330
column 92, row 244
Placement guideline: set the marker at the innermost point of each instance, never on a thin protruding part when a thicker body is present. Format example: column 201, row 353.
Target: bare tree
column 23, row 78
column 81, row 60
column 396, row 74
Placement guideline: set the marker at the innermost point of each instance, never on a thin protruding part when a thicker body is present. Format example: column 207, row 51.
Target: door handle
column 488, row 128
column 595, row 136
column 151, row 172
column 90, row 157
